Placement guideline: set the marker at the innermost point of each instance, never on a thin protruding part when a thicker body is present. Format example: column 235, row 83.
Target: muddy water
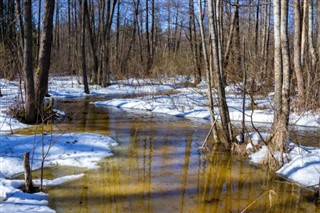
column 158, row 168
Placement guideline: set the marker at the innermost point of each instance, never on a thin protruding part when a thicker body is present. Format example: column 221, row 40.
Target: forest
column 260, row 50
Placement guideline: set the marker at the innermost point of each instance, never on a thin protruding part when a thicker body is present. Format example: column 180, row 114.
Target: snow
column 192, row 103
column 166, row 96
column 81, row 150
column 18, row 201
column 303, row 165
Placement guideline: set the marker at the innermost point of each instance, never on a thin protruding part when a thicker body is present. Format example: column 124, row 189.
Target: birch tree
column 297, row 49
column 215, row 16
column 282, row 75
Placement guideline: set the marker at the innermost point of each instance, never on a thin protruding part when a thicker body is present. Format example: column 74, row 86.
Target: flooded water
column 157, row 168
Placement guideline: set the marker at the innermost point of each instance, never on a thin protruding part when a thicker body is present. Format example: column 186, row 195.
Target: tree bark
column 216, row 54
column 29, row 106
column 106, row 71
column 277, row 62
column 208, row 75
column 27, row 173
column 304, row 31
column 94, row 78
column 194, row 44
column 233, row 28
column 282, row 77
column 285, row 62
column 318, row 32
column 312, row 50
column 21, row 26
column 42, row 71
column 83, row 48
column 297, row 49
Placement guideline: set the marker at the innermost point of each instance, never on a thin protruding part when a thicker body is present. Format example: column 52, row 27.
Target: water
column 157, row 168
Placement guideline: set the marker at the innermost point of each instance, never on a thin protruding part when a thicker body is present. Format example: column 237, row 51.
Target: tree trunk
column 304, row 31
column 208, row 75
column 106, row 72
column 83, row 48
column 277, row 62
column 39, row 29
column 297, row 50
column 193, row 44
column 318, row 32
column 27, row 173
column 282, row 77
column 42, row 72
column 285, row 62
column 94, row 78
column 21, row 27
column 312, row 50
column 266, row 38
column 29, row 106
column 234, row 24
column 216, row 54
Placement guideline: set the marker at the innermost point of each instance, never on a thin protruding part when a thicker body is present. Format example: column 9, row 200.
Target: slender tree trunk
column 57, row 25
column 304, row 31
column 149, row 57
column 42, row 71
column 208, row 75
column 29, row 107
column 234, row 22
column 39, row 28
column 215, row 34
column 286, row 62
column 318, row 32
column 312, row 50
column 277, row 62
column 256, row 31
column 83, row 48
column 69, row 37
column 106, row 72
column 21, row 26
column 94, row 79
column 193, row 44
column 265, row 43
column 282, row 76
column 27, row 173
column 297, row 49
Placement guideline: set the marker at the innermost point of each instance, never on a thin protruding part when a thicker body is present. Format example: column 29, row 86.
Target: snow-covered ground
column 85, row 150
column 82, row 150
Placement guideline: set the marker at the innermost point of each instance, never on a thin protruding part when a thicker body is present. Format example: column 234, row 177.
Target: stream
column 157, row 167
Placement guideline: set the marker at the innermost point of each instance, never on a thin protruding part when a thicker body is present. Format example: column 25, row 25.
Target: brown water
column 157, row 168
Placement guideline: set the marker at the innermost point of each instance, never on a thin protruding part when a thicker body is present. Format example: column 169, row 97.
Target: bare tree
column 90, row 32
column 83, row 4
column 42, row 71
column 208, row 74
column 35, row 90
column 297, row 49
column 312, row 51
column 214, row 15
column 304, row 30
column 282, row 75
column 194, row 44
column 30, row 104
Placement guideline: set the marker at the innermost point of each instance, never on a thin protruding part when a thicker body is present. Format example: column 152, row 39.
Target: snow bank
column 302, row 163
column 82, row 150
column 193, row 103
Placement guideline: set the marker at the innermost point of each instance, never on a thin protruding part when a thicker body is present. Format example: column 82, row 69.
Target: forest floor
column 171, row 96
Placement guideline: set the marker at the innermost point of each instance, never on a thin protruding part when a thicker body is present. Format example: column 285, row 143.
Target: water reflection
column 157, row 168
